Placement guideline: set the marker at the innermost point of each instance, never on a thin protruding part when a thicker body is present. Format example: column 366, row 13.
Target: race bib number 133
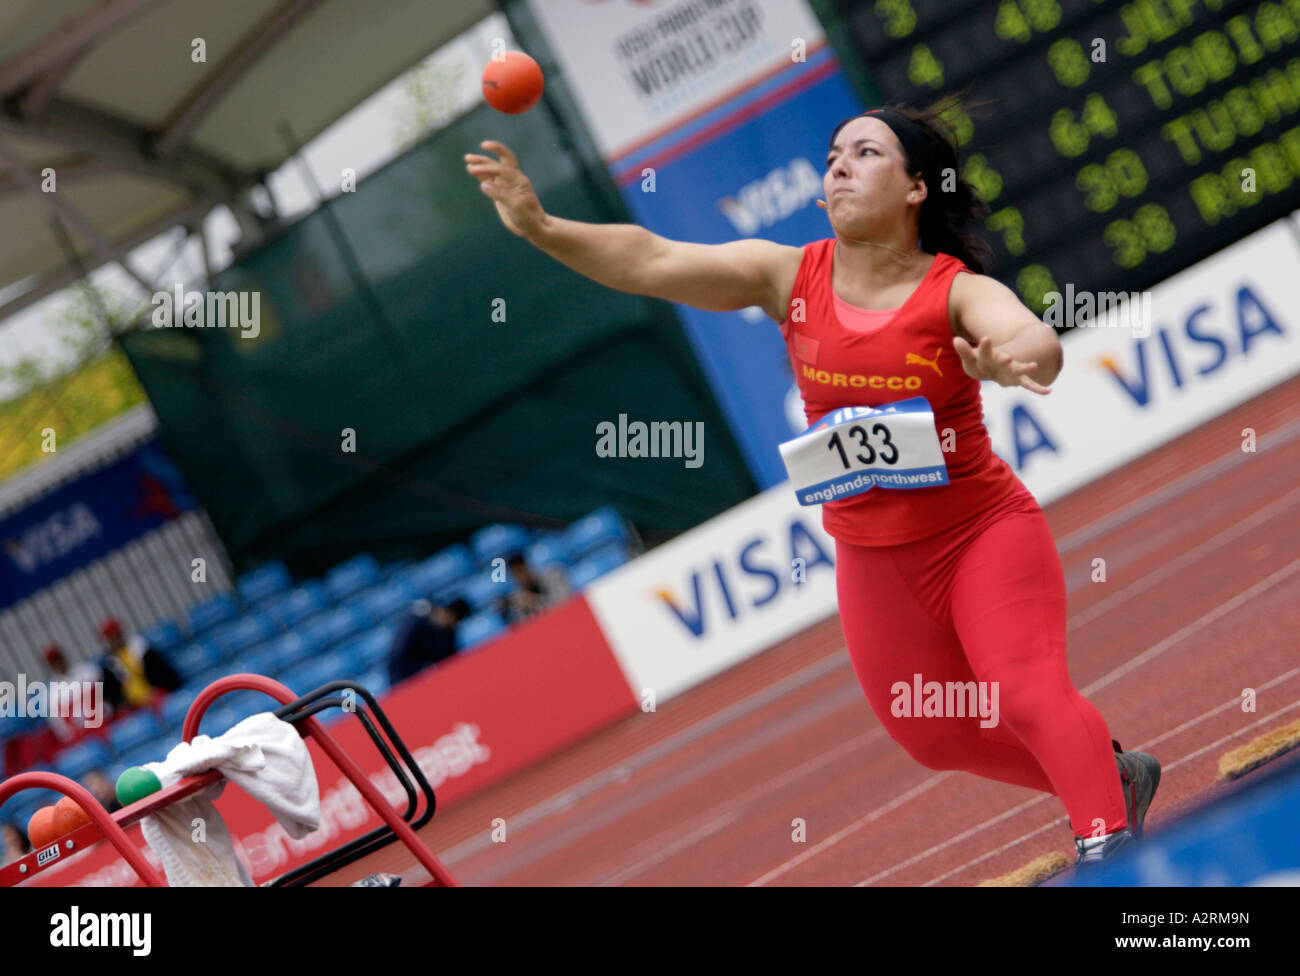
column 854, row 449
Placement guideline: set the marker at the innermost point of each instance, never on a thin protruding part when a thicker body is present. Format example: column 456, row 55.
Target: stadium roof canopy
column 143, row 137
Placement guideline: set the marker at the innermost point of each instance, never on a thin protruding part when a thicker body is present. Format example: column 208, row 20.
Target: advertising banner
column 88, row 518
column 716, row 595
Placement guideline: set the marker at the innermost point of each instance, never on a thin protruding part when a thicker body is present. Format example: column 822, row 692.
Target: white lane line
column 1183, row 560
column 1192, row 479
column 661, row 841
column 1200, row 623
column 857, row 825
column 580, row 827
column 673, row 847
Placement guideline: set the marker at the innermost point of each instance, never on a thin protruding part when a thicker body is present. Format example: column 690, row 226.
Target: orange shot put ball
column 40, row 829
column 68, row 816
column 514, row 83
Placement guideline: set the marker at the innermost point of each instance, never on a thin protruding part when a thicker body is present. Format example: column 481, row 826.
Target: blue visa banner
column 87, row 519
column 750, row 168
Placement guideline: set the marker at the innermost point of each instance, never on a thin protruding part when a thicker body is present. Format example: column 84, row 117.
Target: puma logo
column 913, row 359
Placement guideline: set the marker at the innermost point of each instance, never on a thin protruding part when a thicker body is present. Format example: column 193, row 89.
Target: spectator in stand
column 81, row 671
column 105, row 792
column 537, row 590
column 85, row 673
column 133, row 671
column 13, row 843
column 427, row 636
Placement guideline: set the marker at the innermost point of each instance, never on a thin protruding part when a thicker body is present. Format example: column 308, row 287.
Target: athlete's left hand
column 984, row 362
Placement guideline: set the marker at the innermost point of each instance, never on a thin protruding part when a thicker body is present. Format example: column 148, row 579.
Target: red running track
column 1201, row 600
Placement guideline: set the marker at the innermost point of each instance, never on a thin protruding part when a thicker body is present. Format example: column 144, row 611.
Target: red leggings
column 982, row 602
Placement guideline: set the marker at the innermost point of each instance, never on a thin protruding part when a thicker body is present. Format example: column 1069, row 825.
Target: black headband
column 915, row 142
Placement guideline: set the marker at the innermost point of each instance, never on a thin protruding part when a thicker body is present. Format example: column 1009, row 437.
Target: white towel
column 267, row 758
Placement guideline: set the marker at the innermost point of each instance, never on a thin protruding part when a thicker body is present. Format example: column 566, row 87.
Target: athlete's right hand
column 509, row 188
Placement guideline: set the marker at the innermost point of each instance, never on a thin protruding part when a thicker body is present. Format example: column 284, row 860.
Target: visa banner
column 88, row 518
column 1156, row 366
column 718, row 594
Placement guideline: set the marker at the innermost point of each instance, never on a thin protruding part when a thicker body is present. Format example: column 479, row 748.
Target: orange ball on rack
column 40, row 829
column 68, row 816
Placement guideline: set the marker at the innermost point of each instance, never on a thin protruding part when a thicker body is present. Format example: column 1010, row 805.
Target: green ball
column 136, row 783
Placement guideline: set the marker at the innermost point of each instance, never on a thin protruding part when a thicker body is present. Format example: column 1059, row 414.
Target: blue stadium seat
column 396, row 570
column 373, row 647
column 287, row 650
column 17, row 725
column 193, row 659
column 548, row 550
column 311, row 674
column 245, row 703
column 354, row 665
column 265, row 581
column 333, row 626
column 349, row 577
column 233, row 637
column 218, row 719
column 385, row 601
column 175, row 705
column 77, row 760
column 134, row 730
column 211, row 612
column 298, row 604
column 163, row 635
column 479, row 628
column 262, row 659
column 602, row 526
column 155, row 751
column 596, row 565
column 436, row 574
column 497, row 540
column 481, row 590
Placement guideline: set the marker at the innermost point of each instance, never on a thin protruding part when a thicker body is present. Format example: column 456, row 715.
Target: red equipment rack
column 300, row 712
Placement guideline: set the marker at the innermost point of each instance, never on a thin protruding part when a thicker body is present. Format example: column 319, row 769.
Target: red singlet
column 910, row 356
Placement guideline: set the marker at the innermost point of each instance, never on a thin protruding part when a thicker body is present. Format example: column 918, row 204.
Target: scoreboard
column 1121, row 141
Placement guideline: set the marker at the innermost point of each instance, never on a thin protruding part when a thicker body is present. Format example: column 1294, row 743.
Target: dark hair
column 944, row 213
column 516, row 558
column 460, row 609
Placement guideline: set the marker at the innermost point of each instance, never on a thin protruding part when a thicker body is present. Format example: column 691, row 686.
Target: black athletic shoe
column 1139, row 774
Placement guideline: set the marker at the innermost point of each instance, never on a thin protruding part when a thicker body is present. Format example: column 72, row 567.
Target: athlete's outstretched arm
column 628, row 257
column 1007, row 343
